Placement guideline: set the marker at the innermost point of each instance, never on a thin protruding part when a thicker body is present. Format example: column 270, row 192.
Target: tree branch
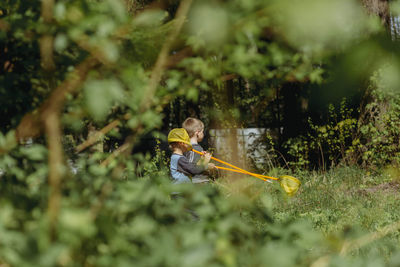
column 31, row 124
column 100, row 134
column 160, row 65
column 47, row 40
column 53, row 133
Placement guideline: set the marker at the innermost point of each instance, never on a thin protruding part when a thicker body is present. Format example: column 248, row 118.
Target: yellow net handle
column 237, row 169
column 234, row 170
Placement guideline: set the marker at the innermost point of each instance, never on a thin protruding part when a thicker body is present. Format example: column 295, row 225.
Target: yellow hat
column 179, row 135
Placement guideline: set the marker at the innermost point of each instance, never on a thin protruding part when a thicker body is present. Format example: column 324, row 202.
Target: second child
column 195, row 129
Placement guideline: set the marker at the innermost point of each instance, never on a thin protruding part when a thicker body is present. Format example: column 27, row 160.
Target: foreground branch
column 53, row 134
column 47, row 118
column 31, row 124
column 162, row 58
column 159, row 68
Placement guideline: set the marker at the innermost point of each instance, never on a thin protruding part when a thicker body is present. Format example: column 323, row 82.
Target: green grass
column 343, row 204
column 341, row 198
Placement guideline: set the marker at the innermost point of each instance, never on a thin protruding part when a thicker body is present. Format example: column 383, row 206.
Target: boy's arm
column 190, row 156
column 194, row 157
column 188, row 167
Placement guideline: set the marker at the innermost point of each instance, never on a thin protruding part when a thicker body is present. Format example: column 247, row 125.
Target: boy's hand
column 211, row 166
column 206, row 156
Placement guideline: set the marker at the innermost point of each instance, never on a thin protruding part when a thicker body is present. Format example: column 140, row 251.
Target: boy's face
column 200, row 135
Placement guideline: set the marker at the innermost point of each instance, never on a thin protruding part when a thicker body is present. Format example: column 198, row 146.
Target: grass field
column 344, row 204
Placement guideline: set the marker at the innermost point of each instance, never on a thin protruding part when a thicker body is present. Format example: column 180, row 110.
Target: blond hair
column 192, row 125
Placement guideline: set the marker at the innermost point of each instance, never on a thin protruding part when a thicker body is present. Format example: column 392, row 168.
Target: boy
column 195, row 129
column 181, row 168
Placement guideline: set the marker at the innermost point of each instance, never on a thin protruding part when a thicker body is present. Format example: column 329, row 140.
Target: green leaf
column 210, row 23
column 100, row 95
column 60, row 42
column 77, row 221
column 151, row 17
column 35, row 152
column 192, row 94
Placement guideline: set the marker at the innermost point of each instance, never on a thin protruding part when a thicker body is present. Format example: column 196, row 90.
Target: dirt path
column 389, row 188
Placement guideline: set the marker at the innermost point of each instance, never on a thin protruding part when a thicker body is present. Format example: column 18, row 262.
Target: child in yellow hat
column 181, row 169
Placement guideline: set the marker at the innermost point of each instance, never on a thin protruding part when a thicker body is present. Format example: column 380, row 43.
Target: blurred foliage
column 136, row 221
column 235, row 63
column 377, row 139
